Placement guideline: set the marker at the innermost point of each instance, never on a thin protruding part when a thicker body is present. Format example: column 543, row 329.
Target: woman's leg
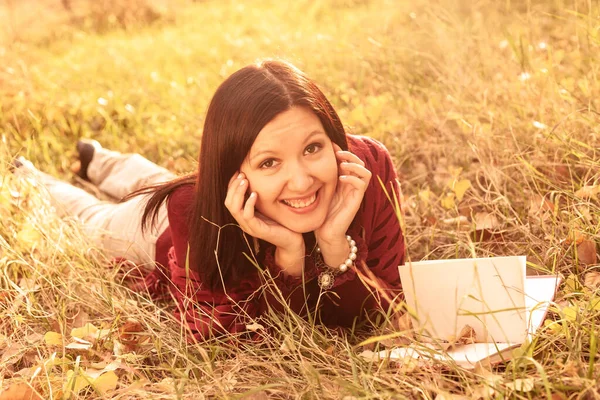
column 113, row 227
column 118, row 174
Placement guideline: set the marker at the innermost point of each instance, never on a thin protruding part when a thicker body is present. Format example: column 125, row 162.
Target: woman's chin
column 304, row 226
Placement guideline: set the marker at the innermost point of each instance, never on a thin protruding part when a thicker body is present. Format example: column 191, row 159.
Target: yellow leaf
column 106, row 382
column 425, row 195
column 28, row 235
column 595, row 304
column 75, row 383
column 521, row 385
column 460, row 187
column 85, row 331
column 53, row 339
column 448, row 201
column 570, row 313
column 552, row 326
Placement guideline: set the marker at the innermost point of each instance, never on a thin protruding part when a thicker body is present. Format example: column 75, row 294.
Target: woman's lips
column 306, row 209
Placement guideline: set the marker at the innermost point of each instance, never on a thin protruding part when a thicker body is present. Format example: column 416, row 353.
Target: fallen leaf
column 486, row 221
column 53, row 339
column 12, row 354
column 451, row 396
column 28, row 236
column 460, row 220
column 521, row 385
column 254, row 327
column 79, row 344
column 539, row 205
column 20, row 391
column 88, row 330
column 132, row 334
column 425, row 196
column 466, row 335
column 106, row 382
column 460, row 187
column 575, row 237
column 588, row 192
column 592, row 280
column 448, row 201
column 586, row 252
column 75, row 383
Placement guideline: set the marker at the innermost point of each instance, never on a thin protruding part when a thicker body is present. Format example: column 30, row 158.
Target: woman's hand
column 353, row 181
column 290, row 245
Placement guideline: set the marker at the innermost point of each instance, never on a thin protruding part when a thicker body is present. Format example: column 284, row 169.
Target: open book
column 471, row 310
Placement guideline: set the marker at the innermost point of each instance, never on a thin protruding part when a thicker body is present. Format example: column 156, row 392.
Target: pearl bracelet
column 327, row 277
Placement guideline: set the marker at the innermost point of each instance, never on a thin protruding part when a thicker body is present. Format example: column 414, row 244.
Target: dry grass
column 502, row 94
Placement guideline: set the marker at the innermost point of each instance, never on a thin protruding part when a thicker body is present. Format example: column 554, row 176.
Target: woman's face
column 292, row 168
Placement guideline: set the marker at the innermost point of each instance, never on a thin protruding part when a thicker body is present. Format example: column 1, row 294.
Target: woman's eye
column 312, row 148
column 267, row 163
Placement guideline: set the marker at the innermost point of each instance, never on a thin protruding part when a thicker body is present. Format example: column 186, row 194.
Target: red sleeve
column 377, row 229
column 206, row 312
column 386, row 241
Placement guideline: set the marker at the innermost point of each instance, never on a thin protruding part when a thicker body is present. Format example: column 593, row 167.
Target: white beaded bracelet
column 327, row 276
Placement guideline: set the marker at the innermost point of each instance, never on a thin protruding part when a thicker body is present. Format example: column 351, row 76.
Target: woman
column 284, row 210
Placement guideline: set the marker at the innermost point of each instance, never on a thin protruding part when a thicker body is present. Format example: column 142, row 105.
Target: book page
column 539, row 292
column 485, row 293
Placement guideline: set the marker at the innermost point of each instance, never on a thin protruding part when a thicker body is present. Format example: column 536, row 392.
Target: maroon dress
column 376, row 230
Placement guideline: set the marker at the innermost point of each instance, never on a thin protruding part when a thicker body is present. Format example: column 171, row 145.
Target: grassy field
column 490, row 109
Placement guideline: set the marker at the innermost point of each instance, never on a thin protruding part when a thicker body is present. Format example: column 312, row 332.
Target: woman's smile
column 303, row 205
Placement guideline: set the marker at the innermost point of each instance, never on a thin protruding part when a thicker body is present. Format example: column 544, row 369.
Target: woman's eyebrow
column 313, row 133
column 261, row 153
column 268, row 151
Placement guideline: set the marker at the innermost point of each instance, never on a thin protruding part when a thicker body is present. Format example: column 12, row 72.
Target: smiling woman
column 282, row 196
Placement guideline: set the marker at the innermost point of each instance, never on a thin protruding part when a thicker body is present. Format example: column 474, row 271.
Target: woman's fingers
column 354, row 169
column 355, row 181
column 234, row 200
column 248, row 213
column 233, row 178
column 348, row 157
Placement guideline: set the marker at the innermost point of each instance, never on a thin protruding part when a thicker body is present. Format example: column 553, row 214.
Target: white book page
column 539, row 292
column 485, row 293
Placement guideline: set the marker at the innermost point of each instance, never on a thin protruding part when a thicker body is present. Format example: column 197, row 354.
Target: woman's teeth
column 301, row 203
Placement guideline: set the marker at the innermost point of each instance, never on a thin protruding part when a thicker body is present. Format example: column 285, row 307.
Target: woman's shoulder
column 181, row 197
column 370, row 150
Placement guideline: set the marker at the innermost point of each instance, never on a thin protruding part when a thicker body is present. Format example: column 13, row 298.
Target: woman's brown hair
column 242, row 105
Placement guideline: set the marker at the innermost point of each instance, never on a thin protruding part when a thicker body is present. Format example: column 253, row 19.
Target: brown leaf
column 575, row 237
column 586, row 252
column 486, row 221
column 132, row 334
column 539, row 205
column 20, row 391
column 592, row 280
column 588, row 192
column 467, row 335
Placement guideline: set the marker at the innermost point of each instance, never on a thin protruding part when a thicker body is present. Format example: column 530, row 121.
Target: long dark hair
column 242, row 105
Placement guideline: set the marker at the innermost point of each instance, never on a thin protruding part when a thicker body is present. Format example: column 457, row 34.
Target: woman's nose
column 300, row 179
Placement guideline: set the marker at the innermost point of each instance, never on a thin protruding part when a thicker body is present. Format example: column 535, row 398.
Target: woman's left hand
column 352, row 184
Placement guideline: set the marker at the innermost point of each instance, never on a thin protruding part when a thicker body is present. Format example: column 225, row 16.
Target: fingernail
column 240, row 175
column 253, row 194
column 242, row 182
column 343, row 176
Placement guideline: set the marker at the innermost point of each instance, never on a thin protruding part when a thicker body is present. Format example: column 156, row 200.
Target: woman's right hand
column 290, row 245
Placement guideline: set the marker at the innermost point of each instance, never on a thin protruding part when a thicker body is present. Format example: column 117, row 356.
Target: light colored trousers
column 115, row 228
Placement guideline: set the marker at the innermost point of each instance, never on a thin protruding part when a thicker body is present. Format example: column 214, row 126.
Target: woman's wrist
column 334, row 252
column 291, row 261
